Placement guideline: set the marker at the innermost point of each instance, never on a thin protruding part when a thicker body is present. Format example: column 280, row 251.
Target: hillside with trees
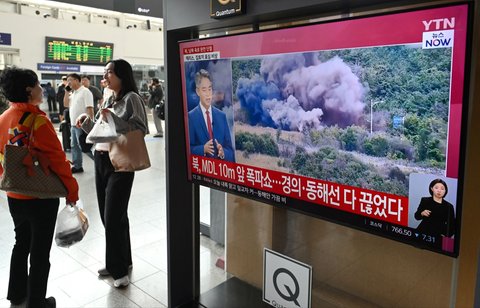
column 406, row 94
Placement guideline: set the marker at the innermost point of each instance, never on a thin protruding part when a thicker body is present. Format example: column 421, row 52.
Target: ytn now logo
column 438, row 33
column 438, row 39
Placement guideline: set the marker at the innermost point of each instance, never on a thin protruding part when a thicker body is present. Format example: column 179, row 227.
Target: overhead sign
column 58, row 67
column 149, row 8
column 226, row 8
column 5, row 38
column 286, row 281
column 67, row 50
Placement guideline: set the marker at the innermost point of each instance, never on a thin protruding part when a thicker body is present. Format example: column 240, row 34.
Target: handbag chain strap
column 30, row 135
column 35, row 157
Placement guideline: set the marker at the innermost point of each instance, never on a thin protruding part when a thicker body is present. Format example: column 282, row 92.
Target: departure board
column 66, row 50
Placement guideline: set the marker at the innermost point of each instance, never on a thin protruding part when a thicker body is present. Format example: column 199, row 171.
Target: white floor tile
column 74, row 281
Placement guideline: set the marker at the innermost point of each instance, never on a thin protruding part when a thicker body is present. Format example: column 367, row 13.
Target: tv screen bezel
column 341, row 217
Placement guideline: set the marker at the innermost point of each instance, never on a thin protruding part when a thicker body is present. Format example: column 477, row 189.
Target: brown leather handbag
column 27, row 171
column 129, row 153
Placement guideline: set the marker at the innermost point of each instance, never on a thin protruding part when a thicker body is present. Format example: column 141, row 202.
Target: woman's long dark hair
column 14, row 81
column 124, row 72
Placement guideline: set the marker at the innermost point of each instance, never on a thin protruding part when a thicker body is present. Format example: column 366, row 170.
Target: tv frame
column 328, row 213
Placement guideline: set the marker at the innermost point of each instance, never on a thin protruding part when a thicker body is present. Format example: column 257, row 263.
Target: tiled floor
column 74, row 281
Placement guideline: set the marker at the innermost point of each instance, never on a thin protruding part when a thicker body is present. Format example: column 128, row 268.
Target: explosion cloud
column 297, row 91
column 288, row 115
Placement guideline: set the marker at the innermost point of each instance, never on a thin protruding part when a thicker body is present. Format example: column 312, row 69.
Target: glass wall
column 351, row 268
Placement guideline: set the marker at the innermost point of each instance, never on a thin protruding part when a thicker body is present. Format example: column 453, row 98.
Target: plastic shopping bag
column 103, row 130
column 72, row 225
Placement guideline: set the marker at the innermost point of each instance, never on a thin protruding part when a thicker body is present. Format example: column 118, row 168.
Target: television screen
column 356, row 121
column 65, row 50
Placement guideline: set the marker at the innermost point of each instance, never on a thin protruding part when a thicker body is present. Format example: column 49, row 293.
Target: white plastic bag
column 72, row 225
column 103, row 130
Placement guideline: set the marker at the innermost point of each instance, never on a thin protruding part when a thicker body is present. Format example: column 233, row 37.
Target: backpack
column 156, row 97
column 160, row 110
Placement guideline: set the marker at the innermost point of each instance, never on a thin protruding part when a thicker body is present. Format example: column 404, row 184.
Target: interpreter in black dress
column 437, row 214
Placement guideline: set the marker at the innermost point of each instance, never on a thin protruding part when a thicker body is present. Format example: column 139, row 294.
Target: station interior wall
column 138, row 45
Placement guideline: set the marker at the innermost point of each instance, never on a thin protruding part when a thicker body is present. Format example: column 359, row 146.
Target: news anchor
column 207, row 125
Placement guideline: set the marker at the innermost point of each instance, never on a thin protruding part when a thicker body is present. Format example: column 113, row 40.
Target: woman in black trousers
column 113, row 188
column 34, row 218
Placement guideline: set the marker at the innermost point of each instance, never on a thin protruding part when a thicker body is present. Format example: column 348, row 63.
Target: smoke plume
column 288, row 115
column 296, row 91
column 330, row 86
column 251, row 93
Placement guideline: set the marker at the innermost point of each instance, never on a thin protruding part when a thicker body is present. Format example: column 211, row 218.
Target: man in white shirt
column 79, row 100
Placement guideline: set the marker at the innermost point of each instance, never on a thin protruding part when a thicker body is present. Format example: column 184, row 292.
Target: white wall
column 28, row 36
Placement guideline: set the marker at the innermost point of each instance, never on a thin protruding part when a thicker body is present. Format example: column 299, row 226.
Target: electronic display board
column 357, row 121
column 66, row 50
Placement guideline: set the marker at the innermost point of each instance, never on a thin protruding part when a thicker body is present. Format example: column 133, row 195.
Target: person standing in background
column 52, row 105
column 156, row 96
column 97, row 94
column 3, row 103
column 59, row 96
column 34, row 218
column 78, row 101
column 107, row 92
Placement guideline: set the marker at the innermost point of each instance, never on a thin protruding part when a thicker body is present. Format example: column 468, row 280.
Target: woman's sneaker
column 122, row 282
column 103, row 272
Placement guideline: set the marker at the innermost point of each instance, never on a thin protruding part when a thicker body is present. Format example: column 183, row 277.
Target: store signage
column 148, row 8
column 226, row 8
column 58, row 67
column 286, row 281
column 5, row 38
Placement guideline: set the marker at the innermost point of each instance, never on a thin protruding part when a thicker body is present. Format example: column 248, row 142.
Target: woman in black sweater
column 437, row 214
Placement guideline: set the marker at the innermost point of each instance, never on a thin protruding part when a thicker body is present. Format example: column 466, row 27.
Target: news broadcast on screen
column 356, row 121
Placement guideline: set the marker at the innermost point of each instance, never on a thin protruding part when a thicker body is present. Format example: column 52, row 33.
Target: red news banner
column 369, row 203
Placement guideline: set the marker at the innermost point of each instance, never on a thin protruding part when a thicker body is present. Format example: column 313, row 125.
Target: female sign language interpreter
column 437, row 214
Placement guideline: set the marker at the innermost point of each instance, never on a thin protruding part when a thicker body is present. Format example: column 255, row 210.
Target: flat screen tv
column 357, row 121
